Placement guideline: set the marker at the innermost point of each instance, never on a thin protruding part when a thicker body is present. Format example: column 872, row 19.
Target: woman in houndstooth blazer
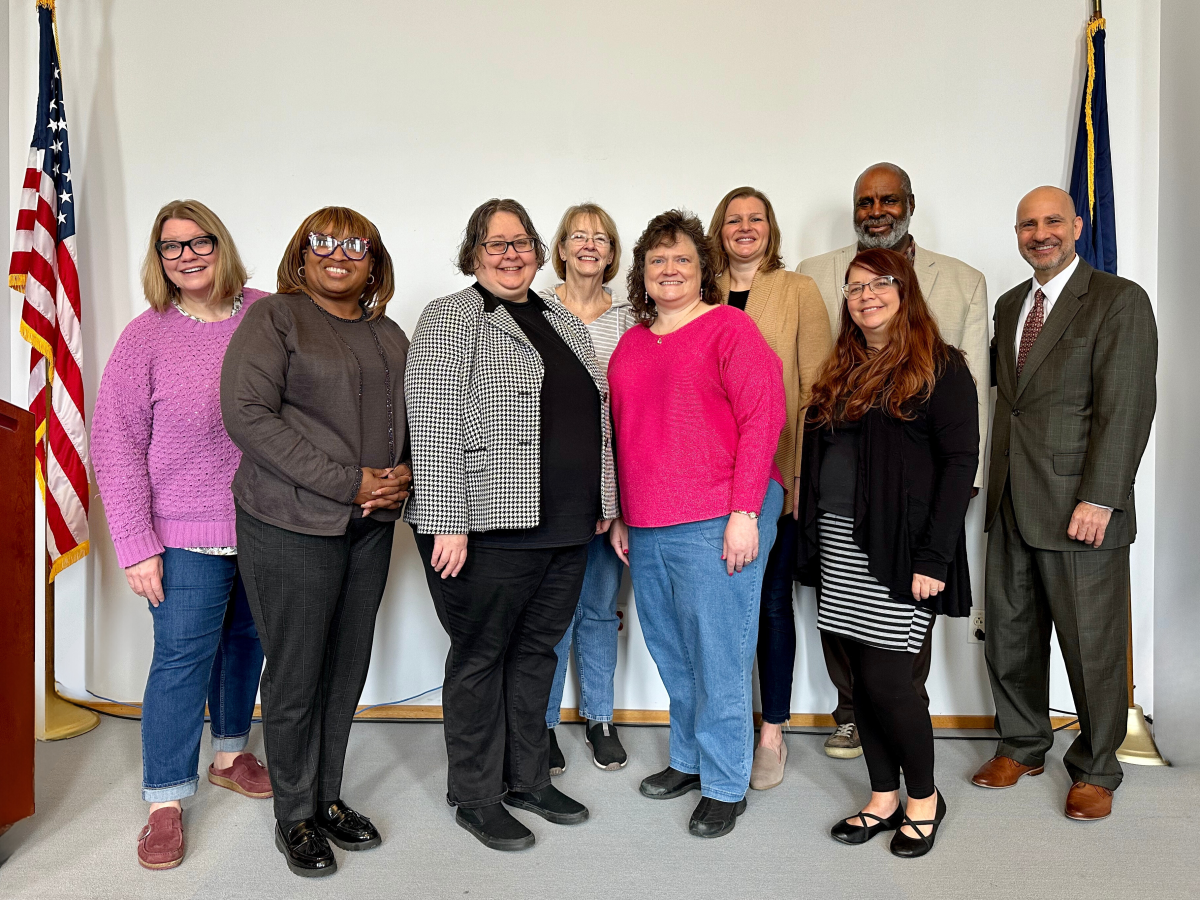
column 513, row 475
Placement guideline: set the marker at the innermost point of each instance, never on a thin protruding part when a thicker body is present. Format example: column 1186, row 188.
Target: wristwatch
column 745, row 512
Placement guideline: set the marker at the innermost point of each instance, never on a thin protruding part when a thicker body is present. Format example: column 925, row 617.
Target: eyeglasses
column 326, row 245
column 854, row 289
column 496, row 248
column 203, row 245
column 600, row 240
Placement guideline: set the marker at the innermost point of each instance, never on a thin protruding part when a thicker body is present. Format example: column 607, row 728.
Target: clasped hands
column 383, row 488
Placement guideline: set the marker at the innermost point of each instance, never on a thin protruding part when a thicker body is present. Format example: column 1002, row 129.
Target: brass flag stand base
column 62, row 719
column 1138, row 748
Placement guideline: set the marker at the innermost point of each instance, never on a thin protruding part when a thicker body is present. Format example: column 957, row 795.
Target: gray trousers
column 314, row 601
column 1082, row 595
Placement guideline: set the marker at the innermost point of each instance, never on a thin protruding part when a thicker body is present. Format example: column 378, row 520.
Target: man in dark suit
column 1074, row 354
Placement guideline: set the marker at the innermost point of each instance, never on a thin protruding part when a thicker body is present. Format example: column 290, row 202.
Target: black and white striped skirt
column 853, row 604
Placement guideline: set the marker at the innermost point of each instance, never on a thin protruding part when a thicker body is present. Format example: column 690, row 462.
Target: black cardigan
column 914, row 483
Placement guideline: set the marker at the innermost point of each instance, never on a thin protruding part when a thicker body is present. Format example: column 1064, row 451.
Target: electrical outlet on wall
column 976, row 630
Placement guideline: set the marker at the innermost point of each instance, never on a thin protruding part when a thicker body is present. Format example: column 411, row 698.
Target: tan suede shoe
column 767, row 771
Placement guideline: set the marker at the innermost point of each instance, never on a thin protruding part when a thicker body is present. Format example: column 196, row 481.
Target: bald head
column 1047, row 229
column 903, row 181
column 883, row 205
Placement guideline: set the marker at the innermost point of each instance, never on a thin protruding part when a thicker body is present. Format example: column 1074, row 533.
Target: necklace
column 690, row 316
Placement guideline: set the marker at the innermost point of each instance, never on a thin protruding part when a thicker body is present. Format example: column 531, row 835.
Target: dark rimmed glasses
column 497, row 248
column 326, row 245
column 203, row 245
column 854, row 289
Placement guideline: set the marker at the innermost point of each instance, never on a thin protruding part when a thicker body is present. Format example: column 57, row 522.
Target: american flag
column 43, row 267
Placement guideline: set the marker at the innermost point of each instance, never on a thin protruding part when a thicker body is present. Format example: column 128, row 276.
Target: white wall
column 414, row 113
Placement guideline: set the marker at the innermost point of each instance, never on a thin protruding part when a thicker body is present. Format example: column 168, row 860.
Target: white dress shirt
column 1051, row 289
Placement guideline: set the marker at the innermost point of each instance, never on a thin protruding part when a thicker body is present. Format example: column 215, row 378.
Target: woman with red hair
column 891, row 444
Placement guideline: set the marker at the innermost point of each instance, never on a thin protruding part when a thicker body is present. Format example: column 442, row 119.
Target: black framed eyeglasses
column 326, row 245
column 854, row 289
column 496, row 248
column 203, row 245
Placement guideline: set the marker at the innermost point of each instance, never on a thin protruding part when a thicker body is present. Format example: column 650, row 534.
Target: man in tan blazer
column 957, row 296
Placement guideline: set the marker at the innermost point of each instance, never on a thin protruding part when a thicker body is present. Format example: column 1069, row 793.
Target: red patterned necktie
column 1033, row 327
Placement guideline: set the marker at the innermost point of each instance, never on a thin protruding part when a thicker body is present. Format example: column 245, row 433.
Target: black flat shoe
column 715, row 818
column 607, row 752
column 669, row 784
column 346, row 828
column 550, row 803
column 558, row 762
column 910, row 848
column 856, row 830
column 495, row 827
column 305, row 849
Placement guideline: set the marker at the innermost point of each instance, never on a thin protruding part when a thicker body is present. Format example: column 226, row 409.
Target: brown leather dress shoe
column 247, row 776
column 1002, row 772
column 160, row 845
column 1088, row 802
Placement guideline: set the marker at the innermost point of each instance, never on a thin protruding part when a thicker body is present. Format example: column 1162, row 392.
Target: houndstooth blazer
column 472, row 386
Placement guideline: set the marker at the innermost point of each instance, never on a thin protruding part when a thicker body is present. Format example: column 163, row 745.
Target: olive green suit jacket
column 1075, row 424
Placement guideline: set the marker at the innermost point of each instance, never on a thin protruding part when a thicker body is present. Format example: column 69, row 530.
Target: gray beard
column 868, row 241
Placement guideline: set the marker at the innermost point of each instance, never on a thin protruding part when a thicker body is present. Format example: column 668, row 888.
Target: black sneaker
column 668, row 784
column 550, row 803
column 558, row 762
column 607, row 752
column 495, row 827
column 715, row 818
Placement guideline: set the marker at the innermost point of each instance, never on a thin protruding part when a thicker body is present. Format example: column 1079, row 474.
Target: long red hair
column 854, row 379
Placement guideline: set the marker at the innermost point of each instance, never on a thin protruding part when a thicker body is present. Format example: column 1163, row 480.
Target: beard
column 868, row 241
column 1045, row 265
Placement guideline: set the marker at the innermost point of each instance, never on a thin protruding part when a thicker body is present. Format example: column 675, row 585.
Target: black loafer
column 607, row 752
column 857, row 830
column 668, row 784
column 305, row 849
column 558, row 762
column 715, row 818
column 495, row 827
column 550, row 803
column 910, row 848
column 347, row 829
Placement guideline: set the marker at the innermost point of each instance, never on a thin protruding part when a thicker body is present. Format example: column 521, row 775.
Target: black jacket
column 914, row 483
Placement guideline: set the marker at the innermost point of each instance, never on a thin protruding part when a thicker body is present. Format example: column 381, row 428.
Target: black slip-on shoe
column 668, row 784
column 558, row 762
column 495, row 827
column 607, row 752
column 911, row 847
column 346, row 828
column 857, row 830
column 715, row 818
column 550, row 803
column 305, row 849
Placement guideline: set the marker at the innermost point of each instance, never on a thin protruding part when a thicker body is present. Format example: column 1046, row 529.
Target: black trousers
column 837, row 664
column 1082, row 594
column 505, row 613
column 893, row 721
column 314, row 601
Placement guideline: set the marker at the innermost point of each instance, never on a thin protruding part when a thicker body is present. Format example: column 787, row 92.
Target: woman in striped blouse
column 891, row 444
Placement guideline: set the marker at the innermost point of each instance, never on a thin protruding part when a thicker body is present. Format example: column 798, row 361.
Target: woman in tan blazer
column 789, row 311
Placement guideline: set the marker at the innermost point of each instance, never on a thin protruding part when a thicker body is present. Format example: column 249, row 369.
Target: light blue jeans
column 594, row 629
column 701, row 628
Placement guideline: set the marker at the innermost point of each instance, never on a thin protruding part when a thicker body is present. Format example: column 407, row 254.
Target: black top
column 738, row 299
column 914, row 483
column 570, row 440
column 839, row 468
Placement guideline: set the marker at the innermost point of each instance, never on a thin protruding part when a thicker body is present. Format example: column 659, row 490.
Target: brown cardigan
column 789, row 311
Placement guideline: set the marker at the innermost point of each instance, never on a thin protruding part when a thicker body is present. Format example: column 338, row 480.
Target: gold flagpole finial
column 1097, row 12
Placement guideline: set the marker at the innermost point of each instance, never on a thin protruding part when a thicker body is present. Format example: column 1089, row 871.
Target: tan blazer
column 957, row 297
column 788, row 311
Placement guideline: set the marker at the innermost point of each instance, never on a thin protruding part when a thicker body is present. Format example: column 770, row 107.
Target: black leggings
column 893, row 721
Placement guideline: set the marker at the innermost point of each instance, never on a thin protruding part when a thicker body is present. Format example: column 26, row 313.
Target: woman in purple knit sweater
column 164, row 465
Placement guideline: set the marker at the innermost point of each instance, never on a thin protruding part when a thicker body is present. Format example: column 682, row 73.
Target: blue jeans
column 205, row 647
column 777, row 626
column 594, row 628
column 701, row 628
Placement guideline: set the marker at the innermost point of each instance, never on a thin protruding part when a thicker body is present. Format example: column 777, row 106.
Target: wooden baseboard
column 621, row 716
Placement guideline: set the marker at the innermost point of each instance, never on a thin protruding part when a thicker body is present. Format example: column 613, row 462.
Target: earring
column 300, row 272
column 371, row 278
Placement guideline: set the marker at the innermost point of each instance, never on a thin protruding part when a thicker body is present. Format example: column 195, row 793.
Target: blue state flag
column 1091, row 173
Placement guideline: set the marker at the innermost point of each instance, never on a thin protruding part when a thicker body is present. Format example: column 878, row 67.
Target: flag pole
column 1097, row 13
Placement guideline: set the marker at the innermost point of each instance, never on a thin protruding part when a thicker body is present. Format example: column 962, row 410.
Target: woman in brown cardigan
column 789, row 311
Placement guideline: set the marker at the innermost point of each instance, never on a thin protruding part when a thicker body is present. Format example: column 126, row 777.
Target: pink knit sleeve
column 753, row 379
column 120, row 441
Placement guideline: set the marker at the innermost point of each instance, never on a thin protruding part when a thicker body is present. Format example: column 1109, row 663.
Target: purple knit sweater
column 163, row 460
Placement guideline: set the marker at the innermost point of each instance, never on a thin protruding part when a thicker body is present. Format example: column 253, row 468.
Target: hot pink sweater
column 697, row 415
column 163, row 460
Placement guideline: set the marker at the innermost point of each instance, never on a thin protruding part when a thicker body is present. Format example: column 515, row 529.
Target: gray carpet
column 997, row 844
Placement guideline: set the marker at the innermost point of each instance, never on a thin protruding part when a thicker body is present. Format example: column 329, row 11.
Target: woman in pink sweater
column 698, row 407
column 164, row 465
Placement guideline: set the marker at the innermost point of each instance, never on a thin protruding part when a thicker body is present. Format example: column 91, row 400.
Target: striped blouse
column 608, row 328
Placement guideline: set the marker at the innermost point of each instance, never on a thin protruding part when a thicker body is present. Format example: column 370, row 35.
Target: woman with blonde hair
column 164, row 464
column 788, row 310
column 313, row 392
column 586, row 255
